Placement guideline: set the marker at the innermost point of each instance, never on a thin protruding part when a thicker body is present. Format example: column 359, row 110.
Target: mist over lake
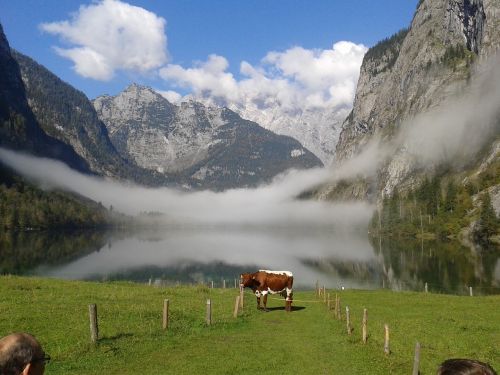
column 202, row 254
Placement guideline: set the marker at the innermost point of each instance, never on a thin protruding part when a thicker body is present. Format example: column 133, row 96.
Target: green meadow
column 309, row 340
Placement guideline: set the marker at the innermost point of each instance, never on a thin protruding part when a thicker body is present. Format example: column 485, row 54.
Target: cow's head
column 247, row 280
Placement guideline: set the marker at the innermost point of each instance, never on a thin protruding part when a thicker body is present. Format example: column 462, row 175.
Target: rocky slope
column 414, row 72
column 67, row 115
column 210, row 147
column 317, row 129
column 19, row 128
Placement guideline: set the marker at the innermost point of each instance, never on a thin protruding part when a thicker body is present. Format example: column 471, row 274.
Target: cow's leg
column 265, row 302
column 257, row 294
column 289, row 298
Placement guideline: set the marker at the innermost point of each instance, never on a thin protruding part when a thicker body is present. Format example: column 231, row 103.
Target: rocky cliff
column 67, row 115
column 316, row 129
column 209, row 147
column 19, row 128
column 417, row 71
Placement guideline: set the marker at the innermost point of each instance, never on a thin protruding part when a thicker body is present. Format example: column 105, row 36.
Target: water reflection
column 211, row 253
column 446, row 267
column 20, row 252
column 201, row 254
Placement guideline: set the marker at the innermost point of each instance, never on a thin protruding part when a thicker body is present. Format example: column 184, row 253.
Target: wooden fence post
column 470, row 291
column 242, row 294
column 208, row 318
column 387, row 349
column 212, row 284
column 223, row 283
column 348, row 320
column 94, row 328
column 336, row 309
column 426, row 288
column 416, row 360
column 236, row 307
column 339, row 311
column 165, row 313
column 150, row 281
column 317, row 289
column 328, row 302
column 365, row 328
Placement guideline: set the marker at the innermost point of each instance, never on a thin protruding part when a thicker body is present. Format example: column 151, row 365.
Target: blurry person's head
column 464, row 367
column 20, row 353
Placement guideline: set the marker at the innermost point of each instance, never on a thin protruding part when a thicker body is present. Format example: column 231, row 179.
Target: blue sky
column 231, row 31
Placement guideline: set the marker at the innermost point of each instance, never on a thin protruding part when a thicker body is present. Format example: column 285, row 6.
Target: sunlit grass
column 307, row 341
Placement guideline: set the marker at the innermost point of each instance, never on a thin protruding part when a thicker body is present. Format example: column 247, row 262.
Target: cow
column 264, row 282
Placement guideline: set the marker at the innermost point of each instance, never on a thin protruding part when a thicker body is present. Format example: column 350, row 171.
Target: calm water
column 204, row 254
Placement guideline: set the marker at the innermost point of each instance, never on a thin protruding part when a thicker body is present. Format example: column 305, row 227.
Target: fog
column 272, row 204
column 453, row 132
column 241, row 248
column 457, row 131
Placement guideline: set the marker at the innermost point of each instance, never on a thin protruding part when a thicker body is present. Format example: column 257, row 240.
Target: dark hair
column 465, row 367
column 15, row 357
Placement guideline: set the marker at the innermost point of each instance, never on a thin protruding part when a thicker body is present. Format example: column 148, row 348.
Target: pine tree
column 451, row 197
column 488, row 223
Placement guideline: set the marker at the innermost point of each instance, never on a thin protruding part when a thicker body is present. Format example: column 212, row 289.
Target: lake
column 202, row 254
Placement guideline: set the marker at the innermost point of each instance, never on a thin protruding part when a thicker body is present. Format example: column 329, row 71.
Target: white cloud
column 171, row 96
column 272, row 204
column 207, row 78
column 112, row 35
column 296, row 79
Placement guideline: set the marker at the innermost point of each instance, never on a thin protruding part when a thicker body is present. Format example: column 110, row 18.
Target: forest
column 24, row 206
column 440, row 208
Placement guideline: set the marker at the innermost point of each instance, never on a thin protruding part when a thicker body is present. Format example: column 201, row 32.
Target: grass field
column 308, row 340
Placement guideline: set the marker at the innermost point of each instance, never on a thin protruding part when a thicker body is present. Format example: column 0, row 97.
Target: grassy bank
column 307, row 341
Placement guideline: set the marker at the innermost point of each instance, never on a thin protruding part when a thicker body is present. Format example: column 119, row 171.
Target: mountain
column 150, row 141
column 210, row 147
column 19, row 128
column 316, row 129
column 417, row 70
column 423, row 137
column 66, row 114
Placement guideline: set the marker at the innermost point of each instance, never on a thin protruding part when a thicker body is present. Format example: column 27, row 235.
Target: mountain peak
column 209, row 147
column 137, row 87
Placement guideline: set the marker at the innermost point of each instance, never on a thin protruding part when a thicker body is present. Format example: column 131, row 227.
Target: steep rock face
column 67, row 115
column 210, row 147
column 414, row 72
column 316, row 129
column 466, row 18
column 19, row 128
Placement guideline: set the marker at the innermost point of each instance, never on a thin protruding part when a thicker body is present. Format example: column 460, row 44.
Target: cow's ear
column 253, row 277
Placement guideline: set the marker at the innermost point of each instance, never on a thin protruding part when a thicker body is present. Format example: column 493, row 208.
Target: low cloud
column 456, row 131
column 111, row 35
column 271, row 205
column 452, row 134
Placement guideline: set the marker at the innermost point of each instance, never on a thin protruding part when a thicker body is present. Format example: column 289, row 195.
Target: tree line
column 438, row 209
column 24, row 207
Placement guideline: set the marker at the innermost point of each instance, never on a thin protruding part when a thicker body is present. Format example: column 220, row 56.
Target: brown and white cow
column 264, row 282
